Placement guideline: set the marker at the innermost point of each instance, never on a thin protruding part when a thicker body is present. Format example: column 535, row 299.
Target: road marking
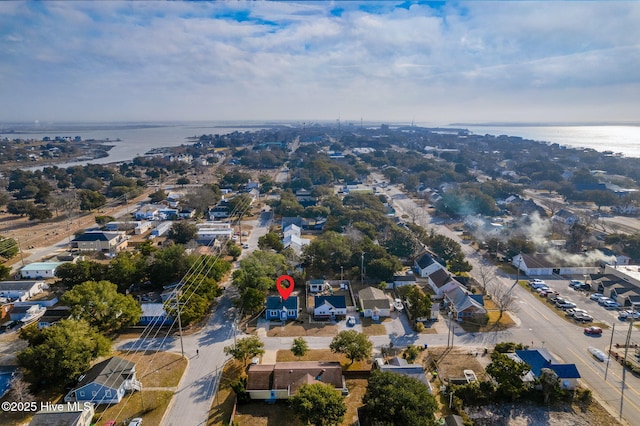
column 609, row 383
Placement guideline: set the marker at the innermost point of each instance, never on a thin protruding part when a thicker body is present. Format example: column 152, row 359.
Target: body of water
column 130, row 141
column 135, row 140
column 617, row 139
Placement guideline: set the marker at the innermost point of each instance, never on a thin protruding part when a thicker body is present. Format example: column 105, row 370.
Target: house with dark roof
column 20, row 290
column 280, row 309
column 330, row 307
column 53, row 315
column 464, row 305
column 401, row 366
column 374, row 303
column 104, row 242
column 541, row 264
column 402, row 280
column 106, row 382
column 540, row 358
column 426, row 264
column 318, row 285
column 283, row 379
column 64, row 415
column 441, row 281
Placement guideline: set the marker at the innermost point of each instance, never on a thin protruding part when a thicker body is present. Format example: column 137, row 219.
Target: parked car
column 245, row 246
column 536, row 286
column 575, row 283
column 566, row 305
column 136, row 422
column 548, row 293
column 604, row 300
column 583, row 318
column 574, row 311
column 541, row 289
column 624, row 315
column 351, row 321
column 596, row 296
column 612, row 304
column 593, row 331
column 535, row 281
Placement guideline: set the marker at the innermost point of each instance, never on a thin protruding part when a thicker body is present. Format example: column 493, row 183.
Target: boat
column 397, row 304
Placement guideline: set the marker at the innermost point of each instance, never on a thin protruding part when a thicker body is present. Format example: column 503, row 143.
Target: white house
column 149, row 212
column 542, row 264
column 426, row 264
column 318, row 286
column 330, row 307
column 374, row 303
column 463, row 304
column 441, row 281
column 39, row 270
column 20, row 290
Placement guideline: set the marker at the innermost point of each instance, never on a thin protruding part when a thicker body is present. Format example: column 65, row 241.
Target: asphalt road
column 539, row 325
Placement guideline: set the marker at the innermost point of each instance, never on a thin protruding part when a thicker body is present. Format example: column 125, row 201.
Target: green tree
column 90, row 200
column 418, row 303
column 100, row 304
column 246, row 348
column 240, row 205
column 508, row 374
column 182, row 232
column 8, row 248
column 394, row 399
column 319, row 404
column 182, row 181
column 352, row 344
column 126, row 269
column 233, row 249
column 58, row 355
column 270, row 240
column 299, row 347
column 168, row 265
column 72, row 274
column 158, row 195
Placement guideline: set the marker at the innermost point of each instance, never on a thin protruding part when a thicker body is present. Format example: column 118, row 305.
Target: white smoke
column 590, row 258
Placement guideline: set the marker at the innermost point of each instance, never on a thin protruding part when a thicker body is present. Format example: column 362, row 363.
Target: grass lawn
column 492, row 324
column 324, row 355
column 155, row 404
column 222, row 406
column 161, row 369
column 373, row 328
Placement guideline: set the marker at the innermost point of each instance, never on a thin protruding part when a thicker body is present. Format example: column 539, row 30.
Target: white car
column 351, row 321
column 598, row 354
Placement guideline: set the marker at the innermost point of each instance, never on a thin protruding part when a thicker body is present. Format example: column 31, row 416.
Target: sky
column 409, row 61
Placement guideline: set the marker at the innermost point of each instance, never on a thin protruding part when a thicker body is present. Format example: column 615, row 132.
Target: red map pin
column 285, row 292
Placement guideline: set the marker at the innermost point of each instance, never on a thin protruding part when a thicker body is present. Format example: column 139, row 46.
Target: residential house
column 106, row 382
column 53, row 315
column 374, row 303
column 318, row 286
column 39, row 270
column 542, row 264
column 402, row 280
column 64, row 415
column 614, row 259
column 401, row 366
column 464, row 305
column 283, row 379
column 99, row 241
column 281, row 309
column 566, row 217
column 441, row 281
column 295, row 242
column 186, row 213
column 330, row 307
column 155, row 314
column 149, row 212
column 210, row 231
column 426, row 264
column 292, row 229
column 20, row 290
column 540, row 358
column 219, row 211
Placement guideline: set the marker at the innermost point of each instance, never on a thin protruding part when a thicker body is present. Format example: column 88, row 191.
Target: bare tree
column 487, row 275
column 20, row 390
column 415, row 213
column 503, row 298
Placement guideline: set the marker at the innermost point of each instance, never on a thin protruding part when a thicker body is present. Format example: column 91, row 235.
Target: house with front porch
column 374, row 303
column 330, row 307
column 463, row 304
column 282, row 380
column 441, row 281
column 106, row 382
column 279, row 309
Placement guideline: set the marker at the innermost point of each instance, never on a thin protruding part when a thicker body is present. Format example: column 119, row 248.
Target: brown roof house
column 282, row 380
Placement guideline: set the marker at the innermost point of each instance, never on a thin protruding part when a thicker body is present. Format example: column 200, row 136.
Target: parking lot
column 560, row 288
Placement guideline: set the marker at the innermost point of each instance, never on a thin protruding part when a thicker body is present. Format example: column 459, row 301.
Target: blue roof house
column 281, row 310
column 106, row 382
column 538, row 359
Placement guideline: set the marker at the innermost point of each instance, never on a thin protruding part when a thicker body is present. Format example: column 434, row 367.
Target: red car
column 593, row 330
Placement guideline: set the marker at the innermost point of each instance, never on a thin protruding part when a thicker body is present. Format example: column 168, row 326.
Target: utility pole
column 362, row 269
column 624, row 361
column 609, row 357
column 179, row 322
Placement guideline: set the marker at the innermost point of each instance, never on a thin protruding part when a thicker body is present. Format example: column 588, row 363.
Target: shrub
column 419, row 327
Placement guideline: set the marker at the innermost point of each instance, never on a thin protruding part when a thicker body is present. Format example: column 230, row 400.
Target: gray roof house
column 20, row 290
column 106, row 382
column 64, row 415
column 374, row 303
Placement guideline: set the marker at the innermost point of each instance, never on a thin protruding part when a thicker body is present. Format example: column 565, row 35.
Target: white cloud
column 279, row 60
